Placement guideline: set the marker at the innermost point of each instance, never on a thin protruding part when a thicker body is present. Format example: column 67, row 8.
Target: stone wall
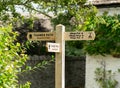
column 45, row 77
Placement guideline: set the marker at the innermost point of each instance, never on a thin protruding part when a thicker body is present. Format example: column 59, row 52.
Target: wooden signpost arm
column 60, row 58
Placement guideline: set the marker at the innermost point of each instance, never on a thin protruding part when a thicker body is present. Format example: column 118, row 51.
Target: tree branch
column 25, row 5
column 38, row 11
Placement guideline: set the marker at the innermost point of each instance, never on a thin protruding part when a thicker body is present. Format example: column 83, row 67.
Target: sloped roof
column 98, row 2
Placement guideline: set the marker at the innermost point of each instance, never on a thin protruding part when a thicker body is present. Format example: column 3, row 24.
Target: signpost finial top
column 60, row 26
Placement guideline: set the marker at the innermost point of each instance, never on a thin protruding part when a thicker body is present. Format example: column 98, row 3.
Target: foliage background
column 74, row 14
column 107, row 41
column 12, row 58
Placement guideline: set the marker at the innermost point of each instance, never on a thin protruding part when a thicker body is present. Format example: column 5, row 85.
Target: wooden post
column 60, row 58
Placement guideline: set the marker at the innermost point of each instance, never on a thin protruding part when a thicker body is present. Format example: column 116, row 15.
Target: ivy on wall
column 107, row 41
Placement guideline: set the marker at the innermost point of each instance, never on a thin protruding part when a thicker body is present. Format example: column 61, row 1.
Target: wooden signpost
column 60, row 36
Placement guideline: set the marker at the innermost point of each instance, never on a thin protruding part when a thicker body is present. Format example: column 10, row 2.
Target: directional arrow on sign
column 48, row 36
column 41, row 36
column 85, row 35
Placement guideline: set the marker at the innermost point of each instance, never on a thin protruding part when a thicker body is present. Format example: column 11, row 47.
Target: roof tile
column 97, row 2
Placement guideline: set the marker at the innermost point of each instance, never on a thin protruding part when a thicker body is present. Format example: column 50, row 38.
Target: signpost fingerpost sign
column 60, row 36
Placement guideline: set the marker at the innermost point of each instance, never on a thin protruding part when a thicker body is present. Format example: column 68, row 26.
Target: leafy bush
column 11, row 58
column 107, row 39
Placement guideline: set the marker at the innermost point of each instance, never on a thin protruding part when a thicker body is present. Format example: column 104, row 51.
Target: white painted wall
column 93, row 62
column 111, row 10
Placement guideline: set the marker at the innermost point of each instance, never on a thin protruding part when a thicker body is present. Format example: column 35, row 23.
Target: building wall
column 93, row 62
column 110, row 10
